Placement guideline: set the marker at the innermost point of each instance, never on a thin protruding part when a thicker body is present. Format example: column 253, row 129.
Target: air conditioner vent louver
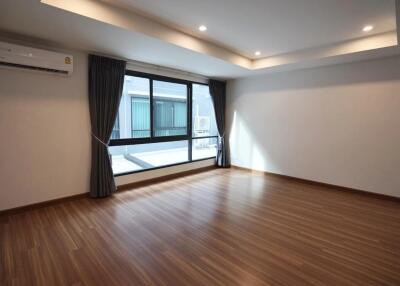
column 33, row 68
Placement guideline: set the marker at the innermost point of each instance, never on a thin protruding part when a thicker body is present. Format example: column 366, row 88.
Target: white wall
column 337, row 124
column 45, row 135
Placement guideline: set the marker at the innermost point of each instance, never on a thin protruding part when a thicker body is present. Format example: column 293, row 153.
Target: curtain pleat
column 218, row 95
column 106, row 80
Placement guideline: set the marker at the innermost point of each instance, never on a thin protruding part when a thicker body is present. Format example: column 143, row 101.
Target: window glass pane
column 140, row 117
column 130, row 158
column 170, row 108
column 204, row 148
column 115, row 134
column 203, row 112
column 133, row 119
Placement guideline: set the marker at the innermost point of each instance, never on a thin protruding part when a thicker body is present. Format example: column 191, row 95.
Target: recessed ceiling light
column 257, row 53
column 203, row 28
column 368, row 28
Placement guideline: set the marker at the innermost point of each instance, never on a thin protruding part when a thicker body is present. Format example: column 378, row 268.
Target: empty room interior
column 200, row 142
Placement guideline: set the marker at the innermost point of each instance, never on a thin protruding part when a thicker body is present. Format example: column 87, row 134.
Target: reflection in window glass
column 170, row 108
column 140, row 117
column 129, row 158
column 204, row 148
column 203, row 112
column 133, row 119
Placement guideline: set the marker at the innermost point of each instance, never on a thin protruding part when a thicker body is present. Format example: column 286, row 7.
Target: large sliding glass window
column 162, row 122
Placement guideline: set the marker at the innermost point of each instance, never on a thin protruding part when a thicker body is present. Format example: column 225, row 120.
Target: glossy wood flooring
column 220, row 227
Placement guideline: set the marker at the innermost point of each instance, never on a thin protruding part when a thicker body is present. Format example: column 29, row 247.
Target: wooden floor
column 221, row 227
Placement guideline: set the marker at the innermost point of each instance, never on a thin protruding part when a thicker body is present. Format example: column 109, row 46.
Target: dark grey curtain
column 218, row 95
column 106, row 80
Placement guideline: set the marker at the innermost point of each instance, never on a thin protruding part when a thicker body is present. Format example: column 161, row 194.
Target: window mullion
column 189, row 120
column 151, row 109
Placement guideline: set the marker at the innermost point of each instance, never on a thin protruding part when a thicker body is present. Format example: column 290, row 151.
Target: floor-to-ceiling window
column 162, row 122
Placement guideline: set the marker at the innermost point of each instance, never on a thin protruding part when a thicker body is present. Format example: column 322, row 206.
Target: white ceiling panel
column 270, row 26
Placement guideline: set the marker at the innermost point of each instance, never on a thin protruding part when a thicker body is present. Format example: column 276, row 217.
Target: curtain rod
column 166, row 69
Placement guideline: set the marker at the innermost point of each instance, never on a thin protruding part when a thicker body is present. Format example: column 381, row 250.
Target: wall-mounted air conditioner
column 18, row 56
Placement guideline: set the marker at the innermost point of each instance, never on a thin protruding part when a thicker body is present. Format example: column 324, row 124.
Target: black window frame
column 159, row 139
